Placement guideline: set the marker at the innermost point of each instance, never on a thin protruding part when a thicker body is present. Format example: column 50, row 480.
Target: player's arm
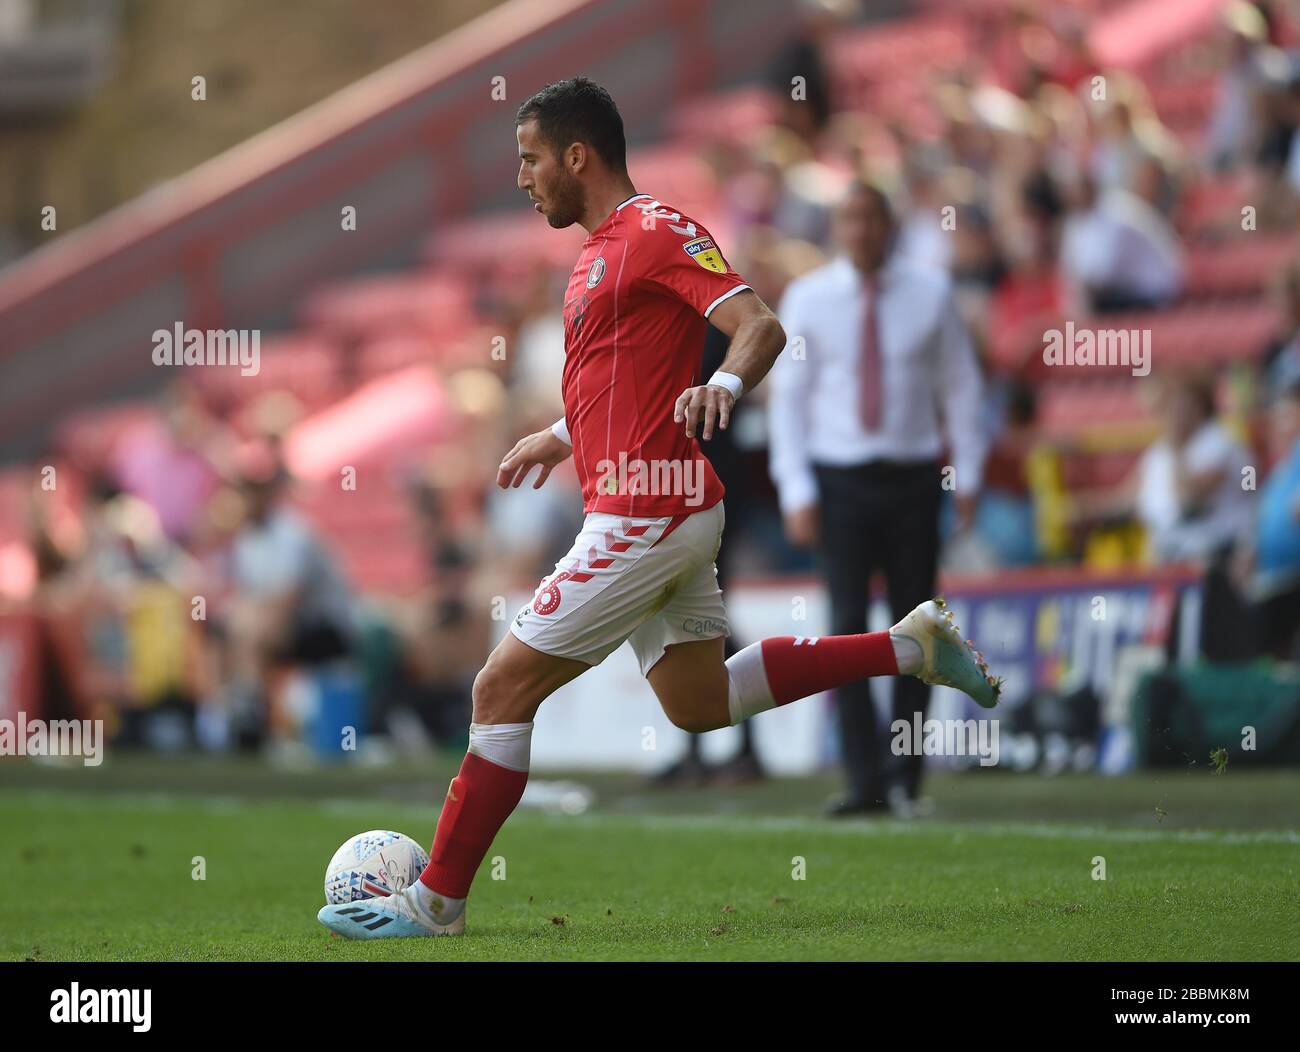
column 757, row 338
column 547, row 448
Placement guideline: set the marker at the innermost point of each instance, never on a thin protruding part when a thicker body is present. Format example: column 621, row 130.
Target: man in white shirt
column 1118, row 252
column 1186, row 488
column 877, row 355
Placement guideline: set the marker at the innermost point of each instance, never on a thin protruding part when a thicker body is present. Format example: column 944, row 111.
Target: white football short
column 651, row 582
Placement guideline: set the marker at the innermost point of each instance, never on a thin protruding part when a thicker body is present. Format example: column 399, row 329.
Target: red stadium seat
column 373, row 306
column 1184, row 106
column 305, row 365
column 1070, row 408
column 1241, row 267
column 865, row 58
column 87, row 436
column 1213, row 201
column 1194, row 334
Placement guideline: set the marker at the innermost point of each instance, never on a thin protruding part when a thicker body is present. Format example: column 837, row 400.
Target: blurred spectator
column 1233, row 131
column 525, row 527
column 444, row 632
column 785, row 187
column 921, row 234
column 1186, row 488
column 169, row 462
column 1275, row 587
column 1281, row 365
column 1071, row 62
column 977, row 268
column 115, row 609
column 538, row 352
column 1274, row 111
column 1031, row 294
column 1006, row 520
column 290, row 604
column 1118, row 252
column 799, row 77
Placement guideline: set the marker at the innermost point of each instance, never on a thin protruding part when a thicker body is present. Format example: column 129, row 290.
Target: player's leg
column 699, row 691
column 507, row 693
column 508, row 690
column 613, row 579
column 690, row 681
column 681, row 654
column 681, row 649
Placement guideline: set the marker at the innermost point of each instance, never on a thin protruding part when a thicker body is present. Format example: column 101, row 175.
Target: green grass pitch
column 1198, row 867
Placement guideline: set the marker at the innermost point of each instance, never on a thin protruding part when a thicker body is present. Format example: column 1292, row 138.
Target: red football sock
column 798, row 666
column 479, row 801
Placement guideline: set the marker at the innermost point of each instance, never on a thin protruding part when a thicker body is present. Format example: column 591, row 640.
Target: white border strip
column 725, row 296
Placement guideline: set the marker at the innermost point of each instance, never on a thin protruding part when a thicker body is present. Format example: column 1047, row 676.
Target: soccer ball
column 372, row 864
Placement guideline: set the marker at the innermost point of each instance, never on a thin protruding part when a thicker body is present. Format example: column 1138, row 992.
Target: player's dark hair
column 578, row 110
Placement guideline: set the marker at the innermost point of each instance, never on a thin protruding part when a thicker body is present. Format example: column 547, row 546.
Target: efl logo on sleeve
column 706, row 254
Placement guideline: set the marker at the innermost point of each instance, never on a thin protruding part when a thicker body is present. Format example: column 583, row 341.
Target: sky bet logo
column 102, row 1006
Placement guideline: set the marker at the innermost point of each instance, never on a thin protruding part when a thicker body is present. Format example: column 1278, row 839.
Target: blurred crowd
column 1047, row 187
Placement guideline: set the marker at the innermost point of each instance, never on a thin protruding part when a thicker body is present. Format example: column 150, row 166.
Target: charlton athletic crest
column 596, row 272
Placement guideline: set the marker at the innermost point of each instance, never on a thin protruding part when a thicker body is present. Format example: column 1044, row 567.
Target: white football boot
column 947, row 659
column 396, row 916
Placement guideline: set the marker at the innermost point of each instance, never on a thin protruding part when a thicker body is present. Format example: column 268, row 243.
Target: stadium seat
column 1242, row 267
column 1071, row 408
column 301, row 363
column 1212, row 201
column 376, row 305
column 85, row 436
column 862, row 59
column 1184, row 106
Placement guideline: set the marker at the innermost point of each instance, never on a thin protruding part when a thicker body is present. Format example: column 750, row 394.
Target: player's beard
column 568, row 201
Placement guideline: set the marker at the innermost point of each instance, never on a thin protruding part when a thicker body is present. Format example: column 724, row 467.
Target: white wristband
column 730, row 381
column 561, row 431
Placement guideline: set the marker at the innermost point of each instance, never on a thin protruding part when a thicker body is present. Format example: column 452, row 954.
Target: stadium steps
column 1071, row 408
column 1242, row 267
column 380, row 305
column 1201, row 333
column 301, row 363
column 85, row 436
column 863, row 59
column 1211, row 203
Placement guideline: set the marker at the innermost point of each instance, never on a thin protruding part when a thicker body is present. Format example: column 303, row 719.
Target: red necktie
column 869, row 393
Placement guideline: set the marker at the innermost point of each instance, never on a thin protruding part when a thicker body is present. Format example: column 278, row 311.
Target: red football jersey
column 634, row 322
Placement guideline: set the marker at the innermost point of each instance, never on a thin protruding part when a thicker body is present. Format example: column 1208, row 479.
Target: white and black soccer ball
column 373, row 864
